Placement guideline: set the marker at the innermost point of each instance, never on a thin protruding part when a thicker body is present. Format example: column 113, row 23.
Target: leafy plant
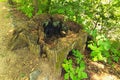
column 115, row 51
column 75, row 72
column 102, row 49
column 26, row 7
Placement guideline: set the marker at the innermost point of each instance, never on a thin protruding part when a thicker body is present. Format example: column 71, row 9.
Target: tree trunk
column 54, row 48
column 35, row 5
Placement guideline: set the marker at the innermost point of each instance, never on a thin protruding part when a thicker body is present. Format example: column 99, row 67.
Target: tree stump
column 54, row 43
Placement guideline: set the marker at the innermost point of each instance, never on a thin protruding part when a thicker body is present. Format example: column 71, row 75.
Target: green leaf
column 77, row 69
column 72, row 75
column 99, row 42
column 30, row 15
column 39, row 12
column 94, row 53
column 66, row 76
column 61, row 10
column 81, row 69
column 66, row 66
column 95, row 59
column 84, row 75
column 71, row 13
column 100, row 57
column 79, row 74
column 82, row 64
column 106, row 54
column 92, row 47
column 71, row 69
column 116, row 59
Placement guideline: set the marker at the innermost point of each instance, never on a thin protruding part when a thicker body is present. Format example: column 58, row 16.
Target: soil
column 18, row 64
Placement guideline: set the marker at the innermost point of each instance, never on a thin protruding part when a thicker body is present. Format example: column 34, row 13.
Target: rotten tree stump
column 39, row 40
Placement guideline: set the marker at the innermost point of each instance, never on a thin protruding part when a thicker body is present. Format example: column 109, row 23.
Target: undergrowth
column 75, row 72
column 103, row 49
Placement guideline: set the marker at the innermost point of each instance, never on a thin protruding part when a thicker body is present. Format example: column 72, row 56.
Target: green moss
column 60, row 57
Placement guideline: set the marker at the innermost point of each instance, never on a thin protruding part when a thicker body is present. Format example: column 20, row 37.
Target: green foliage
column 87, row 12
column 27, row 10
column 100, row 49
column 115, row 50
column 43, row 6
column 75, row 72
column 26, row 7
column 66, row 7
column 92, row 14
column 103, row 49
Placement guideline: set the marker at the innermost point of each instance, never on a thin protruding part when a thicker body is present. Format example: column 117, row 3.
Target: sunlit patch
column 4, row 7
column 103, row 76
column 105, row 1
column 99, row 65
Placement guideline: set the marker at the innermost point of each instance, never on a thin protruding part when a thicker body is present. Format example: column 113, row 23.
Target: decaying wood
column 55, row 48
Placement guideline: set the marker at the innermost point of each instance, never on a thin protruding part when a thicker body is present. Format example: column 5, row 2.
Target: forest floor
column 18, row 64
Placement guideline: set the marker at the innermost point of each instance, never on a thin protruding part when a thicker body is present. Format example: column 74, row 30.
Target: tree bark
column 54, row 49
column 35, row 5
